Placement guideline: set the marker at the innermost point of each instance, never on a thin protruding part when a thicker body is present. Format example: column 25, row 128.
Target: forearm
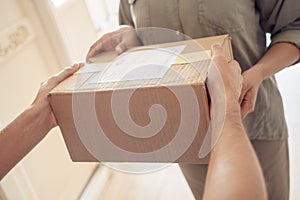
column 21, row 136
column 234, row 169
column 29, row 128
column 278, row 57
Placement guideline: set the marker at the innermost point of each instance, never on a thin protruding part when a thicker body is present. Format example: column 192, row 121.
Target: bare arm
column 31, row 126
column 278, row 57
column 234, row 171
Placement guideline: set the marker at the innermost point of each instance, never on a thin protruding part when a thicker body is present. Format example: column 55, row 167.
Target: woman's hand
column 31, row 126
column 41, row 103
column 252, row 79
column 120, row 40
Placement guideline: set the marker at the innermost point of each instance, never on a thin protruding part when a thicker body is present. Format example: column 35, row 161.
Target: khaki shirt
column 247, row 22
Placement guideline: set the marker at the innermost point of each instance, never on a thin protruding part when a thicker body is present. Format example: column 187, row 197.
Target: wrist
column 233, row 108
column 259, row 71
column 36, row 110
column 41, row 115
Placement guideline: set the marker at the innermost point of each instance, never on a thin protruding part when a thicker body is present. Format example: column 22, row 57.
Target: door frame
column 47, row 23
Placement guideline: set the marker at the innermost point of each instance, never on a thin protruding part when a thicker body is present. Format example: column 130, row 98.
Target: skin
column 31, row 126
column 119, row 40
column 233, row 171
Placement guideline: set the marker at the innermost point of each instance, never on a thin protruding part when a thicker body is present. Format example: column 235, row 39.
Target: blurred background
column 40, row 37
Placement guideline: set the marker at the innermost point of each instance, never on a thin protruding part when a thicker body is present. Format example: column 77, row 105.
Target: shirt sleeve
column 124, row 13
column 280, row 18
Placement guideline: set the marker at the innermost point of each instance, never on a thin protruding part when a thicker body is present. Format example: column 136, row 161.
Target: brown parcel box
column 83, row 107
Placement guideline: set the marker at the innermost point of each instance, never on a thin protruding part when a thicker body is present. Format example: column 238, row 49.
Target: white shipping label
column 136, row 65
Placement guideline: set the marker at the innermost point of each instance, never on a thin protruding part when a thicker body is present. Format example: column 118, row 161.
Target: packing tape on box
column 193, row 57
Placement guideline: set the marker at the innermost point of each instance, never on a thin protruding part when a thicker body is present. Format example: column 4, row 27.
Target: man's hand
column 41, row 102
column 252, row 81
column 224, row 78
column 120, row 40
column 233, row 151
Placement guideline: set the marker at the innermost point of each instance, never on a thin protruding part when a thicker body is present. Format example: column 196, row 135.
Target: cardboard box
column 117, row 122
